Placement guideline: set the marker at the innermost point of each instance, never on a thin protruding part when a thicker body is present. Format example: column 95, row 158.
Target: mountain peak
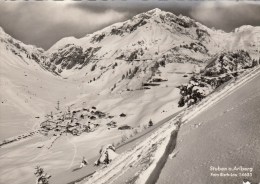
column 155, row 11
column 244, row 28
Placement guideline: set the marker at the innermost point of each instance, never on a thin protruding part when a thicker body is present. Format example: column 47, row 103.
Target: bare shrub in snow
column 42, row 177
column 124, row 138
column 150, row 123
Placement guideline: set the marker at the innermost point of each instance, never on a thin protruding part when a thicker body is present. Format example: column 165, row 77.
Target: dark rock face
column 197, row 47
column 225, row 67
column 182, row 21
column 202, row 34
column 185, row 23
column 68, row 56
column 135, row 26
column 98, row 38
column 71, row 55
column 116, row 31
column 126, row 28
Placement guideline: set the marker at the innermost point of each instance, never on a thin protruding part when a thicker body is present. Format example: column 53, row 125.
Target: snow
column 28, row 91
column 211, row 138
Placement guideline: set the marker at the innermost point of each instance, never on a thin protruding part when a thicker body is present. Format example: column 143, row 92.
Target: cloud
column 44, row 23
column 227, row 15
column 134, row 7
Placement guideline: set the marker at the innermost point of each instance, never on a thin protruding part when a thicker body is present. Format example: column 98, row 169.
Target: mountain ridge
column 151, row 37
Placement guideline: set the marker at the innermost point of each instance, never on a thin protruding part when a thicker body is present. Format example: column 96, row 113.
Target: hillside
column 197, row 142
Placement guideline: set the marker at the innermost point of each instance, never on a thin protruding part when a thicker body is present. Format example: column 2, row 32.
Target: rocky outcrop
column 196, row 47
column 202, row 34
column 70, row 56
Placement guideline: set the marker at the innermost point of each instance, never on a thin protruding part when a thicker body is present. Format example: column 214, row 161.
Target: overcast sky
column 44, row 23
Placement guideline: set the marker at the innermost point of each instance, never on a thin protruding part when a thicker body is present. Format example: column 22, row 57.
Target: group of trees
column 227, row 66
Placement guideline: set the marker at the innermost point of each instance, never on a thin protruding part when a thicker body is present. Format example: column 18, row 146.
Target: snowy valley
column 131, row 84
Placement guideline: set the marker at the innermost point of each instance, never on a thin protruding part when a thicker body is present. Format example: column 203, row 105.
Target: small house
column 122, row 115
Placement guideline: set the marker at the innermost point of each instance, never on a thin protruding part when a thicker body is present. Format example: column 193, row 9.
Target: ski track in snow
column 75, row 152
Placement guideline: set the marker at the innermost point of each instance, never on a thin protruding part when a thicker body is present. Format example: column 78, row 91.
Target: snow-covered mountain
column 139, row 44
column 133, row 54
column 148, row 36
column 130, row 53
column 28, row 54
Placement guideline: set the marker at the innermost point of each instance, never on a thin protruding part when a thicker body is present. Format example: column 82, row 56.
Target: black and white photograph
column 130, row 92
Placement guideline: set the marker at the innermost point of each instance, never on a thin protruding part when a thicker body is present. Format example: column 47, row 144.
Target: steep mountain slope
column 225, row 135
column 28, row 54
column 126, row 55
column 140, row 45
